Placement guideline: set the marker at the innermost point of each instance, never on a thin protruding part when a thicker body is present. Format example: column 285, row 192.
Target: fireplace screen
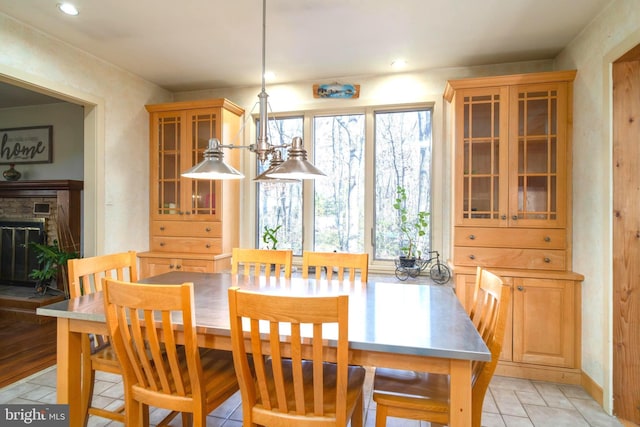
column 18, row 259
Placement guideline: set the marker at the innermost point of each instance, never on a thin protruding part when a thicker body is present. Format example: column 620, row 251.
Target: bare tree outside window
column 280, row 203
column 339, row 199
column 402, row 158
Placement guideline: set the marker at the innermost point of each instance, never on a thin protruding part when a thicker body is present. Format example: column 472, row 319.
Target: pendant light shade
column 296, row 166
column 275, row 161
column 213, row 167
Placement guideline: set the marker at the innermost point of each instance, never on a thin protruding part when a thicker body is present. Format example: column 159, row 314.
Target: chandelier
column 295, row 167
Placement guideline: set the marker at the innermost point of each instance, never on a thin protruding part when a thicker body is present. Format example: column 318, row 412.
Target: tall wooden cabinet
column 193, row 223
column 512, row 212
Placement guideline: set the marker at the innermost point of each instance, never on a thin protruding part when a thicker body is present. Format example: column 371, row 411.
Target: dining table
column 418, row 327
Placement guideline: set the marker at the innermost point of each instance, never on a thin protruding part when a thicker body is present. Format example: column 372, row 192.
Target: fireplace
column 41, row 211
column 17, row 257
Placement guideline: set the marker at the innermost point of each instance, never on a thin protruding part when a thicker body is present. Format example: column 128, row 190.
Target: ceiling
column 204, row 44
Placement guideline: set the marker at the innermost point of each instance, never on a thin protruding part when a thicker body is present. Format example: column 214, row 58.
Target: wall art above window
column 32, row 144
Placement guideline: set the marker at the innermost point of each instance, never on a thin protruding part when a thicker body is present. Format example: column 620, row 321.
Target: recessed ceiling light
column 68, row 8
column 398, row 64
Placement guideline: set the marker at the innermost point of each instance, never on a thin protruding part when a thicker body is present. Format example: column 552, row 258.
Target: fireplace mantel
column 40, row 188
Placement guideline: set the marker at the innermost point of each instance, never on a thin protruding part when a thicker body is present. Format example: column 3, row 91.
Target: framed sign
column 26, row 145
column 336, row 90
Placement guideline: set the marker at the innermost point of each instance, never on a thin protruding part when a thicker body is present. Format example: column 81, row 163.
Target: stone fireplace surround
column 17, row 199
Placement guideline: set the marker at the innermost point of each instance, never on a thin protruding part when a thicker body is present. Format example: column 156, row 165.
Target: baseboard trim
column 593, row 389
column 540, row 373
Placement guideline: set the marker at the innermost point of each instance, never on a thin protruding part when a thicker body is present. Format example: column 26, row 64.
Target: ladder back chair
column 85, row 277
column 284, row 383
column 157, row 370
column 340, row 261
column 256, row 259
column 425, row 396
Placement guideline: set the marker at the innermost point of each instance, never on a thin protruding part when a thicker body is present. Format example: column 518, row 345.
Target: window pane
column 280, row 204
column 402, row 158
column 339, row 198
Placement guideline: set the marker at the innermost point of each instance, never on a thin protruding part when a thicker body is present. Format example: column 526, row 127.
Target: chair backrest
column 255, row 259
column 265, row 391
column 490, row 313
column 150, row 356
column 328, row 261
column 85, row 274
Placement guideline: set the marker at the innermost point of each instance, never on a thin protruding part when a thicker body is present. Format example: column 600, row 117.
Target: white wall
column 68, row 140
column 116, row 160
column 614, row 32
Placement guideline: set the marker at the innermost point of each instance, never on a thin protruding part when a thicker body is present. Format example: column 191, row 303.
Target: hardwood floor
column 25, row 348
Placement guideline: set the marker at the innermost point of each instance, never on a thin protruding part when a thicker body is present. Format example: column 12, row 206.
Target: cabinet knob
column 472, row 257
column 208, row 229
column 161, row 243
column 180, row 213
column 178, row 267
column 187, row 213
column 208, row 245
column 503, row 217
column 514, row 217
column 521, row 288
column 547, row 260
column 171, row 266
column 547, row 238
column 472, row 237
column 162, row 228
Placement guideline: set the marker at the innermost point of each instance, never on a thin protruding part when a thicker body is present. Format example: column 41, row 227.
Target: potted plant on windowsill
column 413, row 229
column 270, row 237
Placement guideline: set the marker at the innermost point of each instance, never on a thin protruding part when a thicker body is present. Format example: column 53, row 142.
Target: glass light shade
column 296, row 166
column 213, row 167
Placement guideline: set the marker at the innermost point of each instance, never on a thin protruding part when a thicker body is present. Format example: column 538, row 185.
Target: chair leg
column 86, row 392
column 357, row 418
column 188, row 420
column 381, row 415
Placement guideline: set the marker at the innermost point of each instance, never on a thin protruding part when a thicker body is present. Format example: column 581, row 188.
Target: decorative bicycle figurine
column 438, row 271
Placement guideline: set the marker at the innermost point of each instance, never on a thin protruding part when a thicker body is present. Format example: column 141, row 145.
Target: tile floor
column 510, row 402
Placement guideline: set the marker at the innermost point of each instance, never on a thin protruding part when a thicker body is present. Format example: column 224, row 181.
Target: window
column 278, row 203
column 402, row 158
column 352, row 208
column 338, row 143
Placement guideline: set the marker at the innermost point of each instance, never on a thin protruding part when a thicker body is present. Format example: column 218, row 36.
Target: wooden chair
column 156, row 370
column 425, row 396
column 85, row 277
column 258, row 258
column 297, row 387
column 327, row 261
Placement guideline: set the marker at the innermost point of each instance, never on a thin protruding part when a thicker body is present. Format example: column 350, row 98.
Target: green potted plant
column 270, row 237
column 52, row 260
column 413, row 228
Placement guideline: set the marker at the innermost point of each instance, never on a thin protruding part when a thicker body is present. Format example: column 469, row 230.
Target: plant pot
column 407, row 262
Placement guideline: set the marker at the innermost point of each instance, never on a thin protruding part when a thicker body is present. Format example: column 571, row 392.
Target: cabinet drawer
column 536, row 259
column 186, row 228
column 189, row 245
column 535, row 238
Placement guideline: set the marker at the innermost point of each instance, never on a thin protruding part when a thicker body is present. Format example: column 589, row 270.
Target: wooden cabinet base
column 154, row 263
column 539, row 372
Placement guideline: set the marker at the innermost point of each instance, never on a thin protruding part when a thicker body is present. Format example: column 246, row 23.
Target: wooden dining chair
column 338, row 261
column 157, row 370
column 85, row 277
column 282, row 382
column 425, row 396
column 254, row 260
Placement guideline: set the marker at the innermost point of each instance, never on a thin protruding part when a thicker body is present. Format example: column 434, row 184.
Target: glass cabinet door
column 537, row 155
column 201, row 197
column 483, row 153
column 169, row 163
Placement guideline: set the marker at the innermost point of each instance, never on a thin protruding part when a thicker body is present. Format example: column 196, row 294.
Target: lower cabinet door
column 544, row 322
